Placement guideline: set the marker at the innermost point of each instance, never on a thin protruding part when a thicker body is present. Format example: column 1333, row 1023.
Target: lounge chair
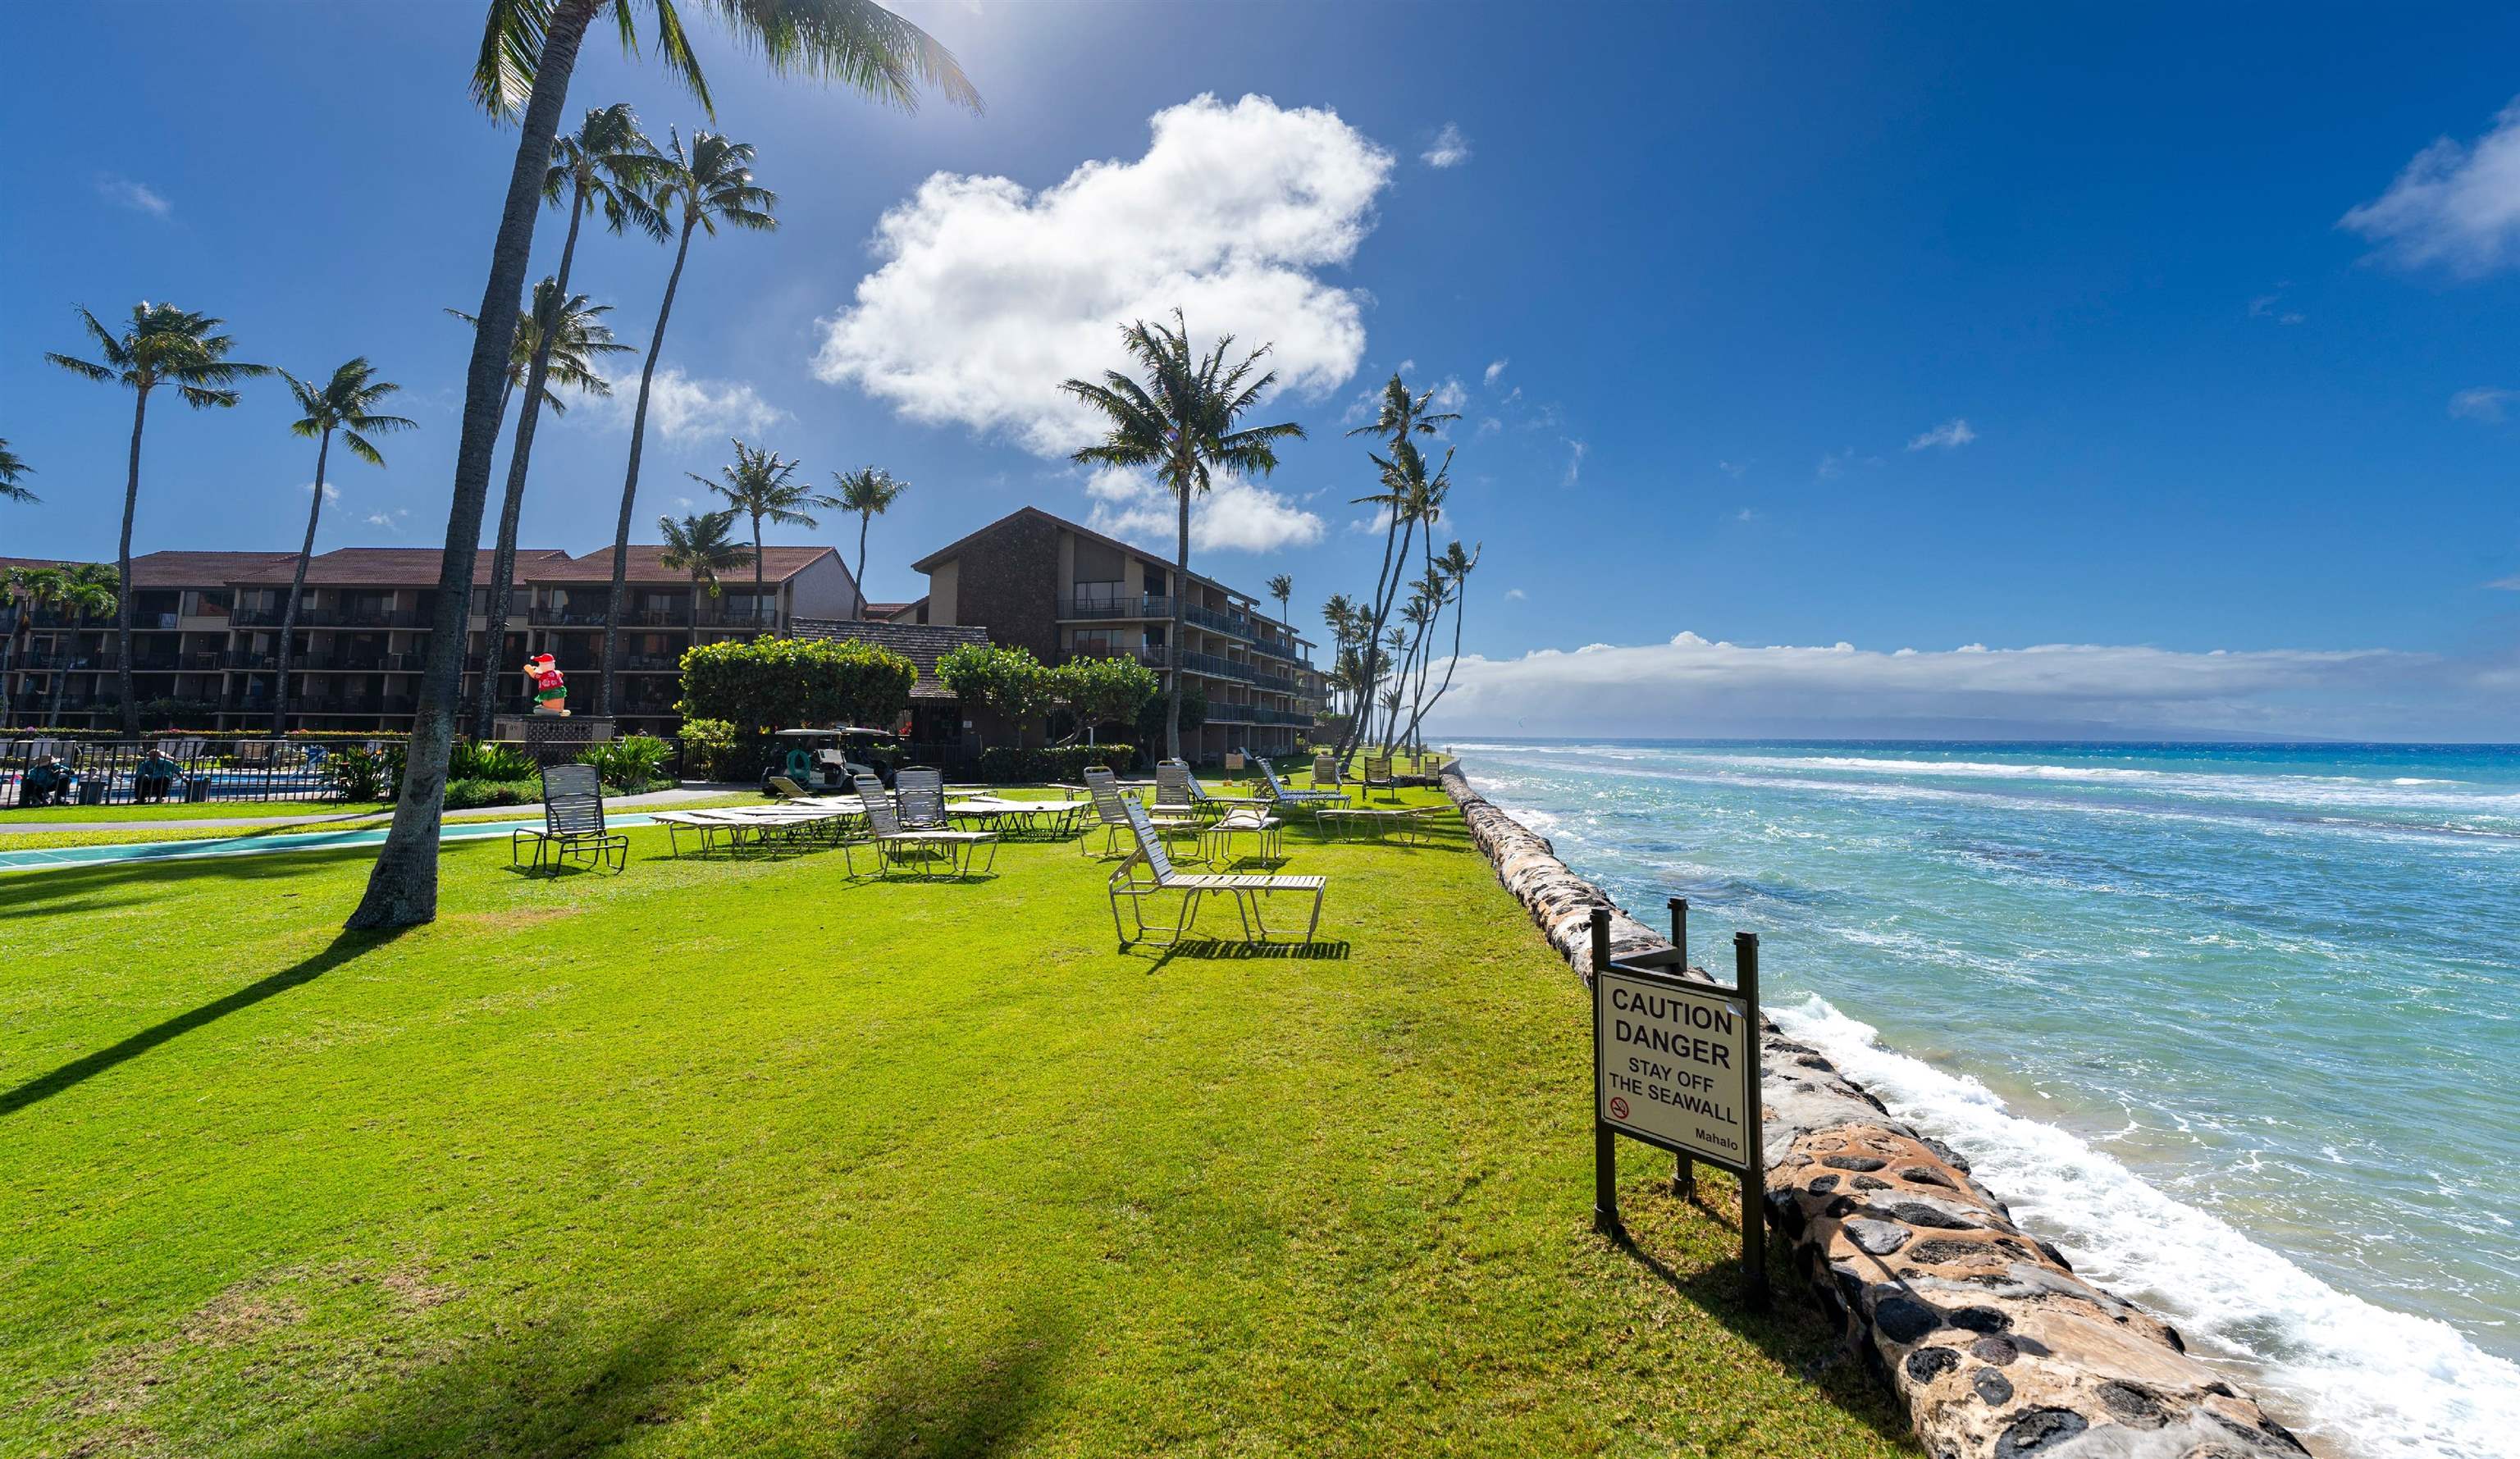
column 1302, row 800
column 1326, row 774
column 1379, row 776
column 1112, row 814
column 573, row 824
column 1177, row 789
column 919, row 798
column 895, row 843
column 1160, row 877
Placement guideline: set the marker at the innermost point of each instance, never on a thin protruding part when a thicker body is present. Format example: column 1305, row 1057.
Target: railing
column 1122, row 606
column 1232, row 624
column 173, row 768
column 546, row 616
column 764, row 617
column 1276, row 650
column 331, row 617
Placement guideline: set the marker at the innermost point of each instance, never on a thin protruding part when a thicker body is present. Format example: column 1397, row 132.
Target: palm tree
column 702, row 185
column 89, row 591
column 1399, row 415
column 164, row 346
column 565, row 335
column 33, row 589
column 344, row 404
column 869, row 492
column 1181, row 421
column 1455, row 566
column 700, row 547
column 529, row 50
column 1283, row 587
column 12, row 468
column 1410, row 496
column 1339, row 614
column 756, row 486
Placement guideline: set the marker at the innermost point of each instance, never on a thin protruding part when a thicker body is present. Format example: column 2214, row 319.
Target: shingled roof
column 385, row 567
column 923, row 644
column 648, row 565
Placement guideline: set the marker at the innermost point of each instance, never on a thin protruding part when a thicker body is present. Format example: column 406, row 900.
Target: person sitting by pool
column 156, row 777
column 47, row 780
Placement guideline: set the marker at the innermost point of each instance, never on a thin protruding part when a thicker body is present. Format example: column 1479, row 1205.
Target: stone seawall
column 1999, row 1351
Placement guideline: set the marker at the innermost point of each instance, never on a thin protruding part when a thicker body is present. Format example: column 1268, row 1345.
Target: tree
column 698, row 186
column 701, row 547
column 1008, row 683
column 1401, row 416
column 1339, row 614
column 344, row 404
column 1456, row 565
column 164, row 346
column 529, row 50
column 34, row 589
column 868, row 491
column 89, row 589
column 1410, row 495
column 1283, row 587
column 756, row 486
column 1181, row 421
column 13, row 467
column 567, row 333
column 1102, row 689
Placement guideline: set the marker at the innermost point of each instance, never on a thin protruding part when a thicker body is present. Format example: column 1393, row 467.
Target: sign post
column 1676, row 1064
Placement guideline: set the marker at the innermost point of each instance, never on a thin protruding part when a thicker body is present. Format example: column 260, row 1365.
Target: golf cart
column 827, row 759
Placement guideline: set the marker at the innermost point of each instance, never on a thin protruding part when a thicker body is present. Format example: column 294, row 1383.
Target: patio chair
column 573, row 826
column 1160, row 878
column 1178, row 790
column 1326, row 774
column 896, row 842
column 1379, row 776
column 920, row 794
column 1302, row 800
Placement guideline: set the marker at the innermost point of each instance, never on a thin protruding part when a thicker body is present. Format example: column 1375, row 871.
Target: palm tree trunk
column 1180, row 596
column 756, row 564
column 866, row 519
column 297, row 590
column 402, row 887
column 630, row 481
column 61, row 677
column 1363, row 718
column 122, row 562
column 1460, row 605
column 503, row 555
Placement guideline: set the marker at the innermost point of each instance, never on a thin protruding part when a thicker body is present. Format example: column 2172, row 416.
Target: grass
column 738, row 1157
column 187, row 811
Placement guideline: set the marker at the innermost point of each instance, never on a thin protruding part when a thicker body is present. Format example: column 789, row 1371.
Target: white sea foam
column 2309, row 792
column 2370, row 1382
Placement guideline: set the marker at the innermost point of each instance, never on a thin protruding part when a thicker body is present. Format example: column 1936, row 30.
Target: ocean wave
column 2303, row 790
column 2366, row 1380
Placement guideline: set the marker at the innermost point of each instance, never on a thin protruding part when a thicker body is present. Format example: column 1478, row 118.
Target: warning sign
column 1673, row 1065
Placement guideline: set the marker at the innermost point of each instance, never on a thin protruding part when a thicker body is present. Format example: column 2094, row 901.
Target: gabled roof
column 182, row 569
column 648, row 565
column 1164, row 561
column 923, row 644
column 381, row 567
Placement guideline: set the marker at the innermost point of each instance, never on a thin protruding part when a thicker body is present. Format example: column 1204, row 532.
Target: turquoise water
column 2237, row 1026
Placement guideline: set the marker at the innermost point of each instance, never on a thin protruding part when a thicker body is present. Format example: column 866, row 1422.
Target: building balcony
column 544, row 615
column 1232, row 625
column 1120, row 605
column 329, row 616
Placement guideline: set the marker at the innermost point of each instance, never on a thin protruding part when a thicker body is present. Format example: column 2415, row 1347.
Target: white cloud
column 1495, row 367
column 1235, row 517
column 1449, row 396
column 389, row 520
column 682, row 408
column 138, row 197
column 2454, row 206
column 1515, row 594
column 990, row 294
column 2270, row 306
column 1575, row 451
column 1833, row 464
column 1449, row 149
column 1690, row 685
column 1489, row 425
column 2486, row 402
column 331, row 493
column 1949, row 435
column 1745, row 515
column 2511, row 583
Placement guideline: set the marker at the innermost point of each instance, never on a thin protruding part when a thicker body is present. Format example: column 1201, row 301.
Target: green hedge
column 765, row 684
column 466, row 795
column 1055, row 763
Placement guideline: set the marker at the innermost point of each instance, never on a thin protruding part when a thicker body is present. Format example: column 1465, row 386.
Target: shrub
column 166, row 713
column 359, row 773
column 466, row 794
column 630, row 762
column 1056, row 763
column 1008, row 683
column 484, row 760
column 708, row 751
column 779, row 684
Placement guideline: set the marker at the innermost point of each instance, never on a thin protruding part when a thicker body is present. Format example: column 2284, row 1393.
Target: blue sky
column 1726, row 279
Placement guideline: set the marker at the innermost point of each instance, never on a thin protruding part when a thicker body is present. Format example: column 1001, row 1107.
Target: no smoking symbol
column 1618, row 1108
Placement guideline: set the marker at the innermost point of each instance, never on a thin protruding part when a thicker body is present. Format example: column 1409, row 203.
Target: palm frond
column 512, row 52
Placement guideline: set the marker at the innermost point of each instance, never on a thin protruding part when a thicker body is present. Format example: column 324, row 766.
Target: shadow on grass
column 344, row 947
column 1229, row 950
column 965, row 1402
column 554, row 1389
column 46, row 891
column 1790, row 1329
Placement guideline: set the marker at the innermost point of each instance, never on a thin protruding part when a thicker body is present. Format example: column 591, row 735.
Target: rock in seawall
column 1999, row 1351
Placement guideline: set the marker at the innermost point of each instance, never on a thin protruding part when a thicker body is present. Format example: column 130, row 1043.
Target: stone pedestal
column 550, row 737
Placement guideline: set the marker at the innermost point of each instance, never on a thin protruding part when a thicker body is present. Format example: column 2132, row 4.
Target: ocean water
column 2237, row 1025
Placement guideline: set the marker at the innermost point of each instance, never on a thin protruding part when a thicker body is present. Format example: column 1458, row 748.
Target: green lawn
column 728, row 1158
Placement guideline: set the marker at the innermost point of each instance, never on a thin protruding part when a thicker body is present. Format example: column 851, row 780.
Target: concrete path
column 688, row 791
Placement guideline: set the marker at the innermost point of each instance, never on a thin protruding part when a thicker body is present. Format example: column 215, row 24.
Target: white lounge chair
column 894, row 844
column 1302, row 800
column 1160, row 878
